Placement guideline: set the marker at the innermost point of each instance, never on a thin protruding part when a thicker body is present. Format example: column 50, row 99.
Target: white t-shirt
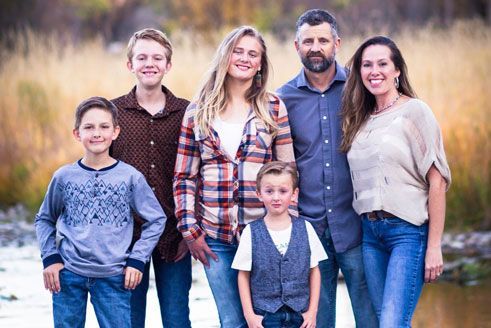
column 281, row 238
column 230, row 135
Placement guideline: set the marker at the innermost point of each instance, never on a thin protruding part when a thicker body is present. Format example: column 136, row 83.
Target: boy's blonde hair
column 150, row 34
column 277, row 168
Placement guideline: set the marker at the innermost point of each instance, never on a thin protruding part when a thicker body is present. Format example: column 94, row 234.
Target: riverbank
column 25, row 304
column 467, row 255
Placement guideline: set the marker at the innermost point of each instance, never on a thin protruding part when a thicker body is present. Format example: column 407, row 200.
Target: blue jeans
column 285, row 317
column 351, row 264
column 110, row 299
column 173, row 281
column 223, row 283
column 394, row 254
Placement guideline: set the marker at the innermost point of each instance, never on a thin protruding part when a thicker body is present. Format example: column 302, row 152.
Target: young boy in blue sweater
column 85, row 226
column 277, row 258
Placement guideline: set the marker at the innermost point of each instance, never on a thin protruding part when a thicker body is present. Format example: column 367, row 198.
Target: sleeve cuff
column 52, row 259
column 137, row 264
column 191, row 232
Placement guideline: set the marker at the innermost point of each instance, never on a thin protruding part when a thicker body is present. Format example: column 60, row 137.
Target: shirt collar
column 87, row 168
column 170, row 100
column 302, row 81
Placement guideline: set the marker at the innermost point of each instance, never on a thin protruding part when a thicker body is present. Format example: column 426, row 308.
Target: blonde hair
column 150, row 34
column 277, row 168
column 212, row 97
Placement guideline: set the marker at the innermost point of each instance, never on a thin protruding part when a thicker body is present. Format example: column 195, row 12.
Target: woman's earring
column 396, row 82
column 258, row 79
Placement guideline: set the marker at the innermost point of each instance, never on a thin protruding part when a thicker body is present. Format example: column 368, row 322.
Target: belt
column 375, row 215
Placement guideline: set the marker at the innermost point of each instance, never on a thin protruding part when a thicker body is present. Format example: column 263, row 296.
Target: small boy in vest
column 278, row 256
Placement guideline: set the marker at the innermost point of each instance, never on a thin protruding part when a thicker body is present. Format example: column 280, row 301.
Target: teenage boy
column 150, row 117
column 85, row 226
column 278, row 257
column 313, row 101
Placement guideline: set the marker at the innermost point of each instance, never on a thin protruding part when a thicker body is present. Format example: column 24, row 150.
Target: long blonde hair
column 212, row 97
column 358, row 103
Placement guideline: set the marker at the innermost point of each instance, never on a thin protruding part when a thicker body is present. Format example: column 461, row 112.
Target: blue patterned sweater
column 86, row 221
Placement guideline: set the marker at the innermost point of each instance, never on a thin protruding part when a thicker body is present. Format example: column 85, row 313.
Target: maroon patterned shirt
column 149, row 143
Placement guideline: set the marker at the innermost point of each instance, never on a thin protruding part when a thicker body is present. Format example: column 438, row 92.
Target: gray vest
column 280, row 280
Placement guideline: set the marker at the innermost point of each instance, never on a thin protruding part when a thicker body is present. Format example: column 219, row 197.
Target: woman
column 233, row 127
column 400, row 175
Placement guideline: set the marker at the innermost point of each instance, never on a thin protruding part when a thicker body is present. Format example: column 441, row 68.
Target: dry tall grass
column 43, row 80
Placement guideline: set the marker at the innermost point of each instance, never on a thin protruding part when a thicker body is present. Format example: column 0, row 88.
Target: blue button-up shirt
column 326, row 192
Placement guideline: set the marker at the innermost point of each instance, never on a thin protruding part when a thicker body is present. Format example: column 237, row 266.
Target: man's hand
column 51, row 277
column 132, row 277
column 182, row 250
column 199, row 249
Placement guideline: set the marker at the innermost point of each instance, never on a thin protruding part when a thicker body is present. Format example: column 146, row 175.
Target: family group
column 342, row 168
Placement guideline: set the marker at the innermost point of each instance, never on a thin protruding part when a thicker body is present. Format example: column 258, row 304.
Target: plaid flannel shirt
column 225, row 186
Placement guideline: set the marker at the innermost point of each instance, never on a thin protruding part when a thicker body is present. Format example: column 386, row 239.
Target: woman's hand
column 433, row 263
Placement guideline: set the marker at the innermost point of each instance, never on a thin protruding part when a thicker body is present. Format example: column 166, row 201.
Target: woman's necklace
column 378, row 111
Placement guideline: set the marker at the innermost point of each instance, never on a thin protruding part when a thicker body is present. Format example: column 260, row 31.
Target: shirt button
column 152, row 166
column 152, row 143
column 324, row 117
column 329, row 210
column 151, row 120
column 322, row 95
column 326, row 141
column 153, row 188
column 327, row 164
column 328, row 187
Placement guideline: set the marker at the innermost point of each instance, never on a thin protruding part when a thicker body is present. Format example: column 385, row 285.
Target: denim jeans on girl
column 223, row 283
column 110, row 299
column 173, row 281
column 394, row 256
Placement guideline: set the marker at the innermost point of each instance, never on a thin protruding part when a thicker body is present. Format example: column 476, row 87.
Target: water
column 441, row 304
column 452, row 305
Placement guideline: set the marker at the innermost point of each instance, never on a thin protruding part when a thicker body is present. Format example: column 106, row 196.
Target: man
column 313, row 101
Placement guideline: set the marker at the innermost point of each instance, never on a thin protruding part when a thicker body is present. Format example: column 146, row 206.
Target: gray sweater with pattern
column 86, row 221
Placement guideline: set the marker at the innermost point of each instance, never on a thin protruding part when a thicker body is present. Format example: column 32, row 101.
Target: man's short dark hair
column 315, row 17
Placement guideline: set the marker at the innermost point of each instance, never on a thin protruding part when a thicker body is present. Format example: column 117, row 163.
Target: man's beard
column 318, row 66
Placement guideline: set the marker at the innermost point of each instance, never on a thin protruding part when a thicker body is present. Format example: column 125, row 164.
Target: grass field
column 42, row 81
